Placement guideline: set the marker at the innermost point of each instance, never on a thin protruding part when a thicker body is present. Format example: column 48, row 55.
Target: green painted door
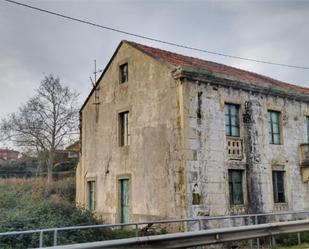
column 124, row 200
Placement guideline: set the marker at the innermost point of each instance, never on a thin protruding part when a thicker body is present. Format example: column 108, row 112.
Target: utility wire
column 151, row 38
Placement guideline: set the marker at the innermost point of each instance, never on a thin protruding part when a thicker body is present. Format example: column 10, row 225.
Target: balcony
column 234, row 148
column 304, row 154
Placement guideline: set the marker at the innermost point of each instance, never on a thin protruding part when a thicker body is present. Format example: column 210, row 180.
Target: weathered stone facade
column 152, row 162
column 177, row 161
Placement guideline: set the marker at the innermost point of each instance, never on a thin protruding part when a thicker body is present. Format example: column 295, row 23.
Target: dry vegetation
column 25, row 205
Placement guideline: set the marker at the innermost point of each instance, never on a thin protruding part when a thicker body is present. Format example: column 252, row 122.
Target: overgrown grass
column 24, row 205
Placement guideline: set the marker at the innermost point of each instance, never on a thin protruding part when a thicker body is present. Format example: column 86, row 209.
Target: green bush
column 24, row 205
column 287, row 239
column 291, row 239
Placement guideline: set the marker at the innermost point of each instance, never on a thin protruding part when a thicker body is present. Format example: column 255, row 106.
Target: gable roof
column 102, row 74
column 177, row 60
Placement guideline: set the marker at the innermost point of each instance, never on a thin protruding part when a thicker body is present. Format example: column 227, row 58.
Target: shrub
column 25, row 206
column 291, row 239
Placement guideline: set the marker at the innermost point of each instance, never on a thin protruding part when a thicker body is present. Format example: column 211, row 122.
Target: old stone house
column 168, row 136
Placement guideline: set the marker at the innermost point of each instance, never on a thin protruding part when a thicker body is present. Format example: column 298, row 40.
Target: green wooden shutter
column 124, row 200
column 91, row 195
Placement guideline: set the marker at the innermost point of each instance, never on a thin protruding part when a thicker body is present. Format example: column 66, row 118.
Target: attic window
column 123, row 73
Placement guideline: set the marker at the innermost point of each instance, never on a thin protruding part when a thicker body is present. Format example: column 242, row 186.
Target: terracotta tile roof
column 74, row 146
column 216, row 68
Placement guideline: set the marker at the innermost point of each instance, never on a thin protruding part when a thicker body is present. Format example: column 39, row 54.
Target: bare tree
column 46, row 122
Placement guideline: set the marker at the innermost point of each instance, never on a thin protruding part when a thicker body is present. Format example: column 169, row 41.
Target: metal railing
column 251, row 218
column 199, row 238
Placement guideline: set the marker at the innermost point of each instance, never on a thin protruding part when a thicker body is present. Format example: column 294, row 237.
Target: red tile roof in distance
column 216, row 68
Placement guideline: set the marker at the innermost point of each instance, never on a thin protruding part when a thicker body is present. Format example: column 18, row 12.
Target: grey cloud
column 34, row 43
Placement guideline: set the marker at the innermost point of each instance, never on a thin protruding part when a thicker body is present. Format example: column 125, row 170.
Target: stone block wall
column 207, row 162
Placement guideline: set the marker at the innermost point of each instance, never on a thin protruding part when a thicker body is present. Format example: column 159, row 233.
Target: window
column 274, row 127
column 278, row 186
column 124, row 129
column 231, row 113
column 236, row 187
column 91, row 200
column 307, row 119
column 123, row 73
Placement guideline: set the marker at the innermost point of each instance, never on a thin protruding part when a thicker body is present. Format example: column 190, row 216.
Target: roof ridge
column 195, row 62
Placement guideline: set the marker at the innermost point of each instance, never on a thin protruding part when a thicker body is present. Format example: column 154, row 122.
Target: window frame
column 123, row 73
column 232, row 198
column 271, row 125
column 124, row 126
column 228, row 115
column 276, row 192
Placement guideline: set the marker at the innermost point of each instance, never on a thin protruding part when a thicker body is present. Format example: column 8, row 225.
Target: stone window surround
column 270, row 122
column 234, row 101
column 118, row 111
column 91, row 179
column 119, row 64
column 123, row 73
column 280, row 206
column 236, row 187
column 123, row 128
column 241, row 208
column 229, row 107
column 277, row 108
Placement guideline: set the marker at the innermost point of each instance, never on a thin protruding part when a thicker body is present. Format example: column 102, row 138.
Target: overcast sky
column 33, row 44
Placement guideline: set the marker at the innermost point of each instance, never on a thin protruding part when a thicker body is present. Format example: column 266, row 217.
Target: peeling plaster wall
column 153, row 161
column 207, row 162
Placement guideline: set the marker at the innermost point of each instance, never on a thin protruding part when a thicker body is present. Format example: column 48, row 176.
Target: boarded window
column 123, row 73
column 91, row 189
column 274, row 127
column 236, row 187
column 124, row 129
column 231, row 113
column 278, row 186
